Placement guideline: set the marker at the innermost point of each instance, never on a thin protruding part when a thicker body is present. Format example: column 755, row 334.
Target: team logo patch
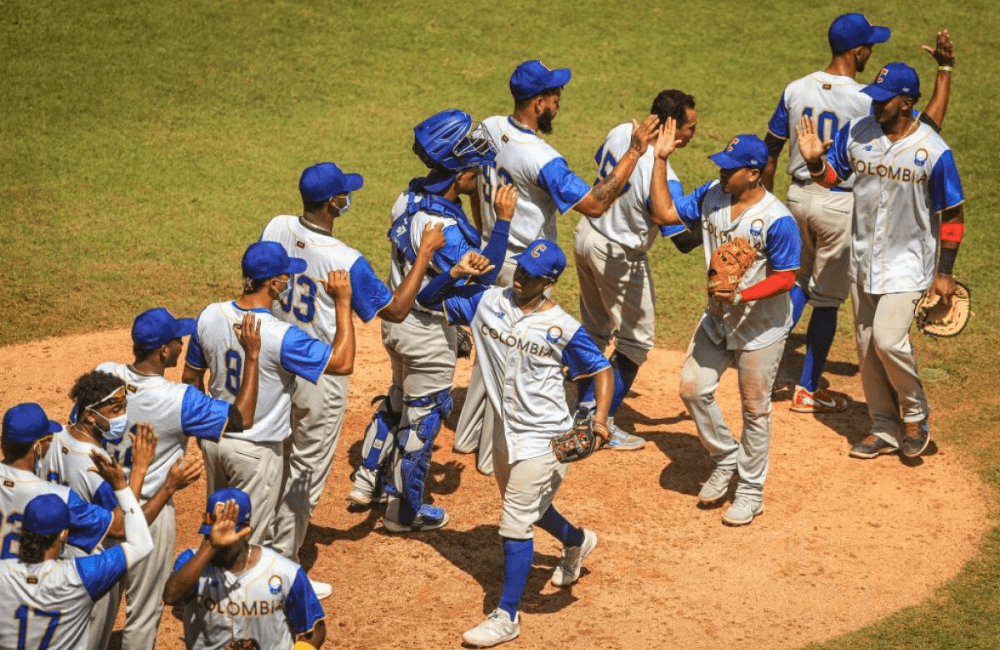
column 868, row 147
column 538, row 250
column 732, row 143
column 881, row 75
column 300, row 244
column 131, row 388
column 501, row 315
column 827, row 86
column 274, row 584
column 757, row 227
column 920, row 157
column 31, row 580
column 554, row 334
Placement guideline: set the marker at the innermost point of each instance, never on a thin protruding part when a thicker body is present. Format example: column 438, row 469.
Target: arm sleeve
column 302, row 608
column 689, row 207
column 562, row 184
column 837, row 156
column 945, row 185
column 88, row 523
column 195, row 357
column 496, row 250
column 434, row 293
column 784, row 244
column 138, row 541
column 461, row 306
column 582, row 356
column 778, row 125
column 368, row 293
column 99, row 572
column 303, row 355
column 203, row 416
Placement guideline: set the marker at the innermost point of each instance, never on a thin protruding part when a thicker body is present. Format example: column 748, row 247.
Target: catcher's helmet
column 450, row 141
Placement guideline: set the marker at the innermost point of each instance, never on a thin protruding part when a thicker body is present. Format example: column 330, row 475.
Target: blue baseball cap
column 27, row 423
column 267, row 259
column 745, row 150
column 46, row 514
column 222, row 495
column 894, row 79
column 849, row 31
column 325, row 179
column 534, row 77
column 157, row 327
column 543, row 259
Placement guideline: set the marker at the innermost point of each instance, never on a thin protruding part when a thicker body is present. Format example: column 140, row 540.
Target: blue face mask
column 284, row 293
column 347, row 206
column 116, row 428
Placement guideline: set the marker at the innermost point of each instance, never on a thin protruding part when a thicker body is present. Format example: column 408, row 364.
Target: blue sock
column 799, row 300
column 556, row 525
column 517, row 556
column 585, row 391
column 819, row 338
column 625, row 371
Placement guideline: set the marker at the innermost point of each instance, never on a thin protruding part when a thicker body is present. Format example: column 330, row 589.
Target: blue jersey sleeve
column 104, row 496
column 945, row 185
column 784, row 244
column 460, row 308
column 195, row 357
column 303, row 355
column 183, row 559
column 99, row 572
column 564, row 186
column 778, row 126
column 582, row 356
column 203, row 416
column 837, row 155
column 302, row 608
column 368, row 293
column 689, row 207
column 88, row 523
column 676, row 189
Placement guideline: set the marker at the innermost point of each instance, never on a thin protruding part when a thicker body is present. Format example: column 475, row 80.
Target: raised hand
column 224, row 526
column 643, row 134
column 248, row 333
column 666, row 139
column 143, row 446
column 338, row 285
column 504, row 201
column 811, row 147
column 108, row 469
column 944, row 52
column 184, row 472
column 432, row 238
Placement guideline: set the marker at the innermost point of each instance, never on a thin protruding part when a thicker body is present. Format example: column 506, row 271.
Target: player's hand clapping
column 811, row 147
column 143, row 447
column 472, row 263
column 338, row 285
column 109, row 470
column 224, row 526
column 666, row 139
column 505, row 201
column 183, row 473
column 248, row 333
column 644, row 134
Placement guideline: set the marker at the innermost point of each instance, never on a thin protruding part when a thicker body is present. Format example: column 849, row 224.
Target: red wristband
column 952, row 232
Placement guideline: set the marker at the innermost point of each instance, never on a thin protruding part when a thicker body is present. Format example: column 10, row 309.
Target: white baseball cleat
column 496, row 629
column 568, row 570
column 322, row 589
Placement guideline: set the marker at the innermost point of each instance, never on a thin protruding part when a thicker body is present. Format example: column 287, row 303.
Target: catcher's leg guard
column 376, row 450
column 414, row 444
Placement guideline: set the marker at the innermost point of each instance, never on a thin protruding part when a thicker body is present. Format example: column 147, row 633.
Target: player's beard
column 545, row 121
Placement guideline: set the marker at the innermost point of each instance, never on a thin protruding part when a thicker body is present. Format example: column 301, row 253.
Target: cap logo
column 732, row 143
column 881, row 75
column 537, row 251
column 545, row 65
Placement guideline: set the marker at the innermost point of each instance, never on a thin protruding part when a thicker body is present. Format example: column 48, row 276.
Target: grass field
column 144, row 145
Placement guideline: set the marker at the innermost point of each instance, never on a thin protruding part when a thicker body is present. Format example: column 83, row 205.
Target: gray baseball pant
column 255, row 468
column 144, row 584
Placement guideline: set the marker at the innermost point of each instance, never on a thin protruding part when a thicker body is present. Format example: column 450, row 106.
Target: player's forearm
column 477, row 212
column 773, row 285
column 938, row 104
column 951, row 231
column 182, row 581
column 194, row 376
column 315, row 637
column 609, row 188
column 343, row 347
column 767, row 176
column 246, row 399
column 822, row 173
column 661, row 204
column 151, row 509
column 138, row 542
column 406, row 292
column 495, row 250
column 437, row 290
column 604, row 387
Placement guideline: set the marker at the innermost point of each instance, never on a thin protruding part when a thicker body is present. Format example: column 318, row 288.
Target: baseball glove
column 580, row 441
column 464, row 343
column 728, row 264
column 934, row 318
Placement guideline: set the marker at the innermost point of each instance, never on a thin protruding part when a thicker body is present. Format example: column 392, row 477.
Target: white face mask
column 347, row 206
column 284, row 293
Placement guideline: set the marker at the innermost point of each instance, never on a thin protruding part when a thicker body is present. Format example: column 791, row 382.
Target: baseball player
column 745, row 327
column 252, row 459
column 523, row 341
column 907, row 227
column 239, row 595
column 27, row 434
column 616, row 286
column 176, row 412
column 831, row 97
column 422, row 347
column 318, row 408
column 546, row 187
column 49, row 597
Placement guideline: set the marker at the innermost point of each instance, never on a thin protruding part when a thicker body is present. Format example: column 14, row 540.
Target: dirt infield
column 841, row 543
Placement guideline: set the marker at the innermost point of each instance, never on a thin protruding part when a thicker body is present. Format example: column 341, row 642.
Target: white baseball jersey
column 285, row 351
column 47, row 605
column 899, row 190
column 521, row 357
column 270, row 603
column 68, row 463
column 547, row 186
column 831, row 100
column 175, row 411
column 629, row 219
column 772, row 231
column 309, row 306
column 88, row 523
